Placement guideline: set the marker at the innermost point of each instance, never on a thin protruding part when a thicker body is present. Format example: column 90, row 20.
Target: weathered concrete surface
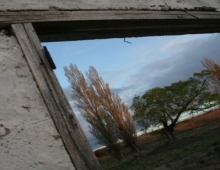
column 12, row 5
column 28, row 138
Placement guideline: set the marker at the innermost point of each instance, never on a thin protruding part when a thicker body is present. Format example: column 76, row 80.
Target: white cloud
column 182, row 39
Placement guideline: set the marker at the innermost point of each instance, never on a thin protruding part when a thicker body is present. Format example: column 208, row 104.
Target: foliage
column 215, row 68
column 165, row 105
column 107, row 115
column 114, row 106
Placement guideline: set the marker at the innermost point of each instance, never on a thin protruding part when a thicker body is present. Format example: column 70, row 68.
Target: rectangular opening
column 133, row 65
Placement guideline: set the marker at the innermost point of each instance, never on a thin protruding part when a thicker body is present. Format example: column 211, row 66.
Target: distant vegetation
column 111, row 122
column 165, row 105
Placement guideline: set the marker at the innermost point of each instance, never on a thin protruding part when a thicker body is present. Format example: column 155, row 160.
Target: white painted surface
column 28, row 138
column 106, row 4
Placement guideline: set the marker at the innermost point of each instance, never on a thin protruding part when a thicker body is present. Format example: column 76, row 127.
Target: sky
column 132, row 68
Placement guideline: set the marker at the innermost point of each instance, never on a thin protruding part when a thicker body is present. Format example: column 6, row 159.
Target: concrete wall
column 15, row 5
column 28, row 138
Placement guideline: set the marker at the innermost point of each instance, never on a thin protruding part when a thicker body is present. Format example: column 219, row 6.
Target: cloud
column 182, row 61
column 121, row 89
column 175, row 60
column 182, row 39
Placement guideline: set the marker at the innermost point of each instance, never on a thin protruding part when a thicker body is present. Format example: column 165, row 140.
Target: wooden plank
column 69, row 31
column 204, row 15
column 71, row 134
column 49, row 16
column 82, row 25
column 71, row 121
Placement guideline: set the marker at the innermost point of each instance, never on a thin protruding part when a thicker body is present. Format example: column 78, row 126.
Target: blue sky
column 131, row 69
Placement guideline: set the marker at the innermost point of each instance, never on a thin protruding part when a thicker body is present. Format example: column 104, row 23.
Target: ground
column 197, row 147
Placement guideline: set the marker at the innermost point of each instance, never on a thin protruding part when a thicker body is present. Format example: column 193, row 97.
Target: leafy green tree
column 164, row 106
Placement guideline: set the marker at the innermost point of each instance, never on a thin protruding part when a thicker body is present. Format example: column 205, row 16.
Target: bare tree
column 215, row 68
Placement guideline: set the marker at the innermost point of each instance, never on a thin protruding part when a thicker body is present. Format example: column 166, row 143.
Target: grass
column 194, row 149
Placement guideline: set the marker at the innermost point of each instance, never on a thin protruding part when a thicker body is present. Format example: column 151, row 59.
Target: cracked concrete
column 28, row 138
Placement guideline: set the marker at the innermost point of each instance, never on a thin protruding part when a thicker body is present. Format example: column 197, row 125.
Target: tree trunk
column 132, row 145
column 135, row 148
column 117, row 153
column 120, row 155
column 169, row 132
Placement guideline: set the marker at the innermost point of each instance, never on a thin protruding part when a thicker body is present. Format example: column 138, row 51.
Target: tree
column 164, row 106
column 104, row 129
column 113, row 104
column 102, row 125
column 105, row 124
column 215, row 69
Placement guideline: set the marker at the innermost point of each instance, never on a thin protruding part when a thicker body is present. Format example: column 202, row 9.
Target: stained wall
column 28, row 138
